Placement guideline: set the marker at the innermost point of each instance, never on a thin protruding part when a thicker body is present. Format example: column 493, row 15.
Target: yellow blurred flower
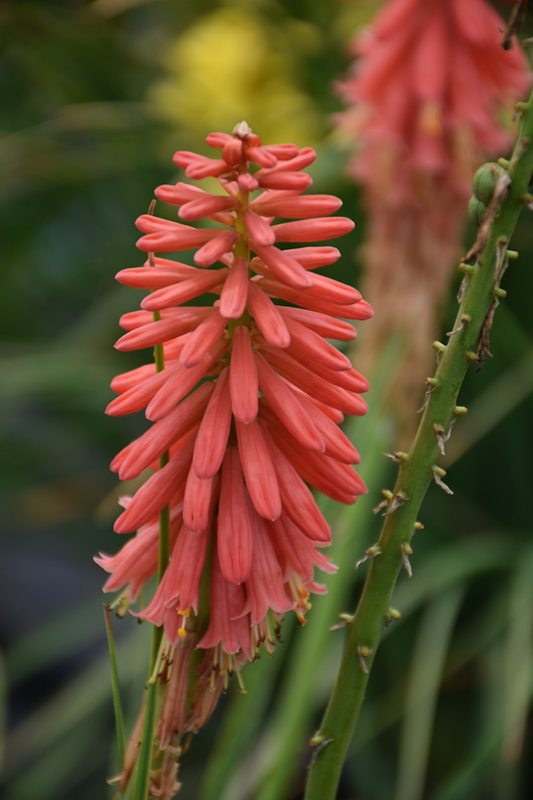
column 227, row 67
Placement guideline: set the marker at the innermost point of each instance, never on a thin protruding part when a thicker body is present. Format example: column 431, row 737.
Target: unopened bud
column 476, row 210
column 485, row 180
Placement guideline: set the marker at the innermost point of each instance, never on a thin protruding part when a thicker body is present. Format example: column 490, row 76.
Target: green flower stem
column 146, row 753
column 417, row 470
column 142, row 780
column 164, row 516
column 119, row 718
column 164, row 520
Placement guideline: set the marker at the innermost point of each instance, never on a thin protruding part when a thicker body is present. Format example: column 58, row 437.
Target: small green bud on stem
column 476, row 210
column 485, row 180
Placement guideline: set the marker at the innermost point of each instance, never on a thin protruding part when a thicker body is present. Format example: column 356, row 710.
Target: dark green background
column 81, row 150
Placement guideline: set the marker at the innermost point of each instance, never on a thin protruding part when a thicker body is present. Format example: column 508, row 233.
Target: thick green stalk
column 418, row 468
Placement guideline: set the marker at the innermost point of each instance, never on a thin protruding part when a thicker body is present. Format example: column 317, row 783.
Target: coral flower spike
column 247, row 407
column 429, row 79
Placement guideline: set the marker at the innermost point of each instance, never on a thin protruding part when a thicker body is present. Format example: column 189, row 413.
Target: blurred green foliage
column 88, row 130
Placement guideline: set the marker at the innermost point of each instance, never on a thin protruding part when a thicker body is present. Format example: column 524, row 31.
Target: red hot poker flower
column 245, row 445
column 423, row 96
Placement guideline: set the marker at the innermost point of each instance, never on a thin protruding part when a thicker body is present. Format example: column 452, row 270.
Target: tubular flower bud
column 246, row 406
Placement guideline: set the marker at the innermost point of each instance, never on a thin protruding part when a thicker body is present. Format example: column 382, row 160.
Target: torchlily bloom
column 247, row 407
column 429, row 79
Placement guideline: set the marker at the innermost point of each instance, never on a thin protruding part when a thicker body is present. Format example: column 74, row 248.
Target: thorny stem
column 468, row 343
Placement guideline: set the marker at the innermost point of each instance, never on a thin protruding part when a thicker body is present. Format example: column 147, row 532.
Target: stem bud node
column 406, row 551
column 345, row 620
column 500, row 293
column 393, row 614
column 397, row 457
column 433, row 384
column 465, row 319
column 363, row 652
column 438, row 475
column 372, row 552
column 387, row 495
column 397, row 501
